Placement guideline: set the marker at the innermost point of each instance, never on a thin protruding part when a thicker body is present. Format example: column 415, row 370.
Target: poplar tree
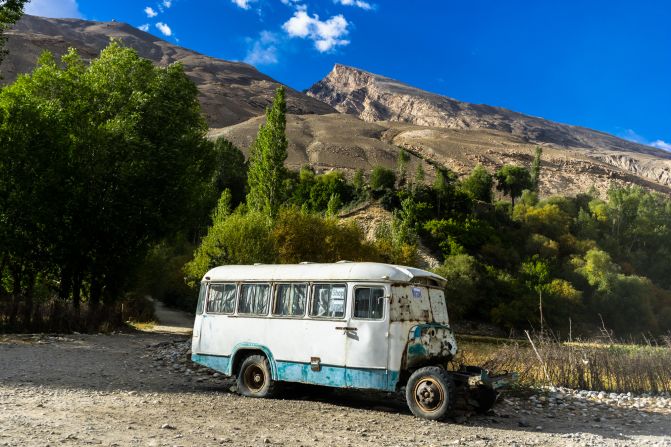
column 267, row 173
column 536, row 168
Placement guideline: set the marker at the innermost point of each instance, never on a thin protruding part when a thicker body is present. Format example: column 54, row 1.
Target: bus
column 345, row 325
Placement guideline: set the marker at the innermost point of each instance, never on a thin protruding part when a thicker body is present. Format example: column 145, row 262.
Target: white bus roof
column 339, row 271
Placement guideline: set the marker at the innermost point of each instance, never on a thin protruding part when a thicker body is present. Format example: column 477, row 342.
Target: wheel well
column 240, row 357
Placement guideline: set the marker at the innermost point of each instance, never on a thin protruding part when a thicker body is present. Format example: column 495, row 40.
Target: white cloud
column 358, row 3
column 164, row 28
column 244, row 4
column 326, row 34
column 54, row 8
column 263, row 51
column 167, row 3
column 150, row 12
column 661, row 144
column 144, row 27
column 631, row 135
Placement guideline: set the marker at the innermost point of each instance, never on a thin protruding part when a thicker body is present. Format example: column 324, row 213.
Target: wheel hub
column 255, row 378
column 429, row 394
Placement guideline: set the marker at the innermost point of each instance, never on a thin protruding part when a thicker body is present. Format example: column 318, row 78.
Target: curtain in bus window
column 329, row 300
column 214, row 299
column 254, row 299
column 221, row 299
column 228, row 299
column 290, row 299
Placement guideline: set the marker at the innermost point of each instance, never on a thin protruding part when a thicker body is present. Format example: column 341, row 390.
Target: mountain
column 347, row 143
column 372, row 98
column 375, row 98
column 230, row 92
column 378, row 116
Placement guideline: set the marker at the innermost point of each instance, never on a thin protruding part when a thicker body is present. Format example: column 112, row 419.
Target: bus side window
column 201, row 299
column 221, row 299
column 369, row 303
column 328, row 300
column 254, row 299
column 290, row 299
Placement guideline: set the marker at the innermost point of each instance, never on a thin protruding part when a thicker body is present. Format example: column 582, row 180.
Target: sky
column 602, row 64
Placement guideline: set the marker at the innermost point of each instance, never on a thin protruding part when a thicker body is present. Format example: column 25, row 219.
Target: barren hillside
column 338, row 141
column 230, row 92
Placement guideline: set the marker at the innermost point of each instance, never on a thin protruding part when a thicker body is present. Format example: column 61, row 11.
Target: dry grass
column 590, row 366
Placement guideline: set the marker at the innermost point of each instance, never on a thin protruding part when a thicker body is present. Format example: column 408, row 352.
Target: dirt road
column 132, row 389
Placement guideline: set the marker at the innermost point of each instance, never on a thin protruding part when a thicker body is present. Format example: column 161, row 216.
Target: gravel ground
column 139, row 389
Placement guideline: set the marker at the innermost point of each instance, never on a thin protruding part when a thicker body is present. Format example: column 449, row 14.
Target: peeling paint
column 429, row 343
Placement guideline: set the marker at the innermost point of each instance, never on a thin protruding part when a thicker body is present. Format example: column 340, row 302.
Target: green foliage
column 308, row 237
column 10, row 13
column 359, row 185
column 321, row 193
column 231, row 170
column 402, row 167
column 512, row 180
column 267, row 173
column 100, row 163
column 382, row 179
column 463, row 291
column 236, row 238
column 478, row 185
column 536, row 169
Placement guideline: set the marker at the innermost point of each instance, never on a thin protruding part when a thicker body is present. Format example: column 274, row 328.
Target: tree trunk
column 96, row 292
column 76, row 291
column 28, row 307
column 66, row 284
column 16, row 297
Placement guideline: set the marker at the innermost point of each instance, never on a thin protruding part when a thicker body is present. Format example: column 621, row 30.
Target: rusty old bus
column 347, row 324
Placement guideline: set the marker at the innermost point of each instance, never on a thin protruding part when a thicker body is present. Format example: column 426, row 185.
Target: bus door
column 368, row 337
column 198, row 321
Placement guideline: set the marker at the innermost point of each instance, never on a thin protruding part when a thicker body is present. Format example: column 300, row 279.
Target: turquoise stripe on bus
column 338, row 376
column 334, row 376
column 218, row 363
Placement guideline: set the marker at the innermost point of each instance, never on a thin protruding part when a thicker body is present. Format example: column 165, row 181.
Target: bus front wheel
column 430, row 393
column 254, row 379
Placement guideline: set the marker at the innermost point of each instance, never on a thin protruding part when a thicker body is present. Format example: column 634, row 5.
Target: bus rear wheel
column 254, row 378
column 430, row 393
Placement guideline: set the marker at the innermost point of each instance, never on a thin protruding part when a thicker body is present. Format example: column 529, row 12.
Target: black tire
column 486, row 398
column 430, row 393
column 254, row 377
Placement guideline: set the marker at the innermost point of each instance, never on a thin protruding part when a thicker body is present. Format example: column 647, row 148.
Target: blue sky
column 603, row 64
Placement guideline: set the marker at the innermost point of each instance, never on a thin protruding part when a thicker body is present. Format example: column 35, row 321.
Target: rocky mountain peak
column 373, row 98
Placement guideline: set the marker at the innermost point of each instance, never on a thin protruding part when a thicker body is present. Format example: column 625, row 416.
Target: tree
column 359, row 184
column 10, row 13
column 267, row 173
column 479, row 184
column 512, row 180
column 120, row 149
column 382, row 179
column 443, row 185
column 536, row 169
column 230, row 171
column 402, row 167
column 537, row 274
column 420, row 176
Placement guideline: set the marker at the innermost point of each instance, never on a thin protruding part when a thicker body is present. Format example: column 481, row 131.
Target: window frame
column 312, row 303
column 235, row 302
column 203, row 293
column 385, row 312
column 308, row 297
column 271, row 287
